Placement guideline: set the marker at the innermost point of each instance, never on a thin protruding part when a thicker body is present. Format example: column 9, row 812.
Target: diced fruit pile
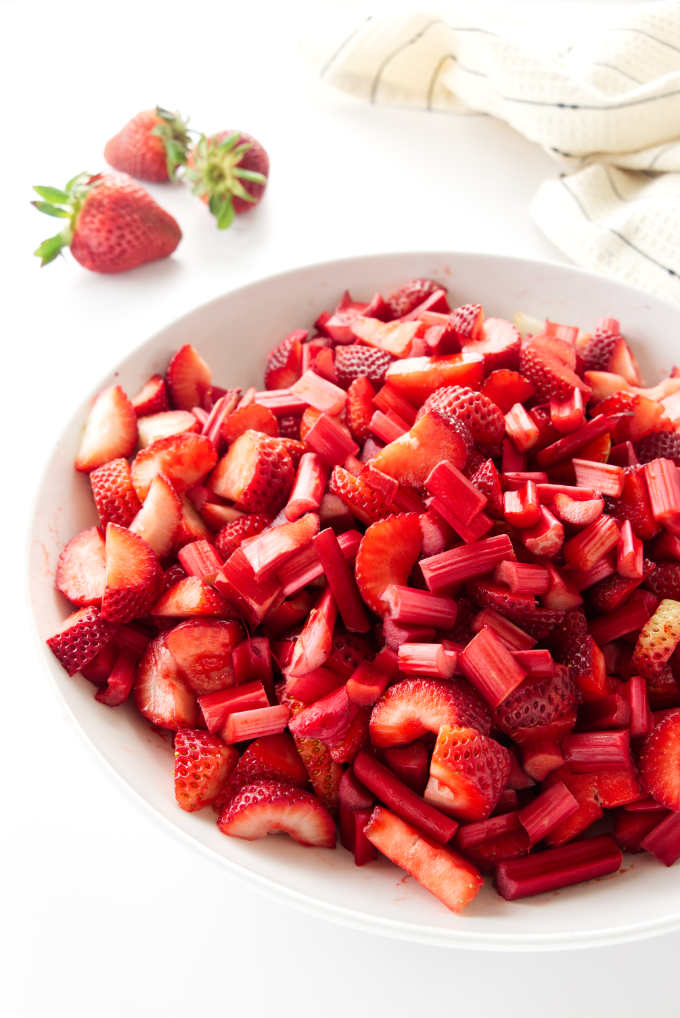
column 425, row 585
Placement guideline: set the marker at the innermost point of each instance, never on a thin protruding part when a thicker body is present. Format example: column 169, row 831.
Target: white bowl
column 234, row 332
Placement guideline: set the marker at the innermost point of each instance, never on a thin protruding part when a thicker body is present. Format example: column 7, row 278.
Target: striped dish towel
column 597, row 87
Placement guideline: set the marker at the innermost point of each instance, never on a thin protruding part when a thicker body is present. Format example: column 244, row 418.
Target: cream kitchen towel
column 598, row 88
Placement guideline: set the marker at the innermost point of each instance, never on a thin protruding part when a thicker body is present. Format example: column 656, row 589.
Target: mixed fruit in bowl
column 422, row 588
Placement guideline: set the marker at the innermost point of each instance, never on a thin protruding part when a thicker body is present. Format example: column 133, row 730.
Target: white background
column 104, row 912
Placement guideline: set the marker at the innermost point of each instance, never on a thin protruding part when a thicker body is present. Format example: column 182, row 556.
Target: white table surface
column 105, row 912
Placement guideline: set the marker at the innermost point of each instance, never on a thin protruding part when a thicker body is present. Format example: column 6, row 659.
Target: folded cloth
column 598, row 88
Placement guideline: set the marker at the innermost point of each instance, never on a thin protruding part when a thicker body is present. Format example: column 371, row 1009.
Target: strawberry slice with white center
column 159, row 517
column 202, row 766
column 444, row 873
column 188, row 598
column 113, row 492
column 435, row 437
column 110, row 430
column 388, row 552
column 273, row 807
column 413, row 707
column 152, row 398
column 184, row 459
column 472, row 767
column 160, row 692
column 499, row 345
column 188, row 378
column 257, row 473
column 80, row 638
column 81, row 569
column 660, row 762
column 203, row 650
column 133, row 575
column 192, row 526
column 415, row 378
column 170, row 422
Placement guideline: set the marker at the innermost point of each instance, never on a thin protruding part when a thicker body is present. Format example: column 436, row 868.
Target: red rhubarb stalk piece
column 603, row 477
column 629, row 618
column 548, row 810
column 389, row 400
column 512, row 636
column 216, row 707
column 319, row 393
column 569, row 414
column 400, row 798
column 410, row 763
column 520, row 427
column 429, row 659
column 442, row 571
column 452, row 488
column 640, row 714
column 663, row 841
column 596, row 751
column 470, row 532
column 663, row 485
column 490, row 667
column 340, row 579
column 120, row 680
column 630, row 561
column 309, row 487
column 558, row 867
column 200, row 558
column 480, row 831
column 413, row 607
column 521, row 507
column 567, row 446
column 314, row 644
column 592, row 543
column 387, row 427
column 253, row 724
column 331, row 440
column 305, row 566
column 523, row 577
column 538, row 664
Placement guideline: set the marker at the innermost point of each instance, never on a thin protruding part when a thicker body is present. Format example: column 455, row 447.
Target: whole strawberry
column 151, row 146
column 218, row 169
column 113, row 223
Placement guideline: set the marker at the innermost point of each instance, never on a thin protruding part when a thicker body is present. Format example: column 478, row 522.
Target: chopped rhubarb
column 281, row 402
column 663, row 840
column 443, row 571
column 254, row 724
column 309, row 487
column 595, row 751
column 630, row 553
column 523, row 577
column 470, row 532
column 387, row 427
column 548, row 810
column 390, row 401
column 216, row 707
column 369, row 681
column 521, row 428
column 540, row 757
column 537, row 663
column 663, row 485
column 603, row 477
column 629, row 618
column 640, row 714
column 512, row 460
column 320, row 393
column 305, row 566
column 314, row 644
column 340, row 579
column 331, row 440
column 403, row 800
column 200, row 559
column 431, row 659
column 568, row 414
column 558, row 867
column 592, row 543
column 567, row 446
column 420, row 607
column 453, row 489
column 512, row 636
column 475, row 833
column 490, row 667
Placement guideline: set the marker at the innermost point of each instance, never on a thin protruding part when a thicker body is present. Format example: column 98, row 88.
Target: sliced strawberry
column 188, row 378
column 159, row 518
column 395, row 338
column 540, row 708
column 203, row 650
column 634, row 504
column 499, row 345
column 487, row 854
column 664, row 579
column 284, row 363
column 482, row 416
column 133, row 575
column 596, row 352
column 579, row 513
column 409, row 295
column 359, row 408
column 114, row 495
column 152, row 398
column 273, row 807
column 365, row 502
column 573, row 646
column 468, row 322
column 412, row 707
column 553, row 378
column 170, row 422
column 444, row 873
column 81, row 569
column 188, row 598
column 344, row 748
column 256, row 473
column 486, row 479
column 356, row 361
column 659, row 445
column 232, row 534
column 617, row 787
column 183, row 459
column 657, row 639
column 161, row 693
column 252, row 417
column 202, row 766
column 191, row 526
column 323, row 772
column 584, row 789
column 327, row 719
column 505, row 388
column 630, row 829
column 434, row 437
column 388, row 551
column 272, row 757
column 473, row 767
column 519, row 608
column 416, row 378
column 660, row 762
column 110, row 430
column 80, row 638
